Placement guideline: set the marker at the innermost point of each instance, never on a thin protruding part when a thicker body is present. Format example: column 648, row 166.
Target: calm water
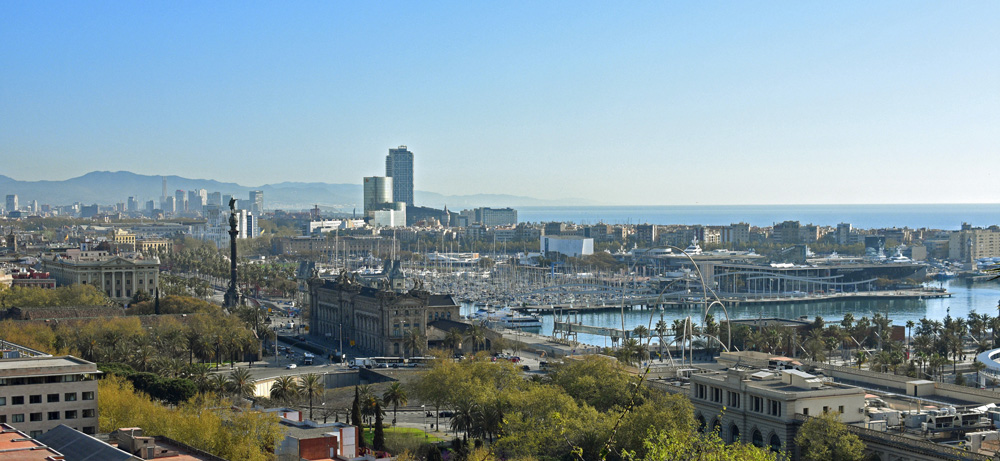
column 936, row 216
column 980, row 297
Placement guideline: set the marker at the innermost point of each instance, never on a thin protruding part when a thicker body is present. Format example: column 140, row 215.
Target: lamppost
column 424, row 411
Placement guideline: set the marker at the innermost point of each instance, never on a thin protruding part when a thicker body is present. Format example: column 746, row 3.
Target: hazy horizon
column 644, row 104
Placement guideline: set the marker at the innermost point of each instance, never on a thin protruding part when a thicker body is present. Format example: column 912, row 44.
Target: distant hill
column 107, row 188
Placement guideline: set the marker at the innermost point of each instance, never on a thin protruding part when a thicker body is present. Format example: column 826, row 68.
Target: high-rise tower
column 399, row 167
column 378, row 191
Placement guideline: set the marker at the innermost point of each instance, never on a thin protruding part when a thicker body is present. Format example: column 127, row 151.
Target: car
column 446, row 414
column 382, row 365
column 291, row 366
column 525, row 368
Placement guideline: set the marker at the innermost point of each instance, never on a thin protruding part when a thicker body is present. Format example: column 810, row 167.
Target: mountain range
column 110, row 187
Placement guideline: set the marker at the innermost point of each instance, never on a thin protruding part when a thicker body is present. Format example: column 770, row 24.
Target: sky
column 639, row 103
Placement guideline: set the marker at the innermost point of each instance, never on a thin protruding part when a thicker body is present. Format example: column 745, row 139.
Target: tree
column 825, row 438
column 453, row 339
column 476, row 334
column 667, row 446
column 378, row 441
column 356, row 416
column 310, row 385
column 284, row 389
column 241, row 383
column 396, row 396
column 414, row 342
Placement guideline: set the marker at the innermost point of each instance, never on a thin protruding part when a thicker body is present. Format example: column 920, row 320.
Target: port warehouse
column 788, row 278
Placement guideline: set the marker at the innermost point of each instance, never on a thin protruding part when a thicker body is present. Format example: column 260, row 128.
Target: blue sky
column 641, row 103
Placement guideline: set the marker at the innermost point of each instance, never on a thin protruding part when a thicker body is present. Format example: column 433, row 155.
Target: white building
column 569, row 245
column 40, row 392
column 389, row 218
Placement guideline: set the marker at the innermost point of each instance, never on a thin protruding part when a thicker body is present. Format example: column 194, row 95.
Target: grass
column 402, row 434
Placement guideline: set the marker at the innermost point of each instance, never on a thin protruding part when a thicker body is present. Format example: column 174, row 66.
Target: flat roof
column 42, row 363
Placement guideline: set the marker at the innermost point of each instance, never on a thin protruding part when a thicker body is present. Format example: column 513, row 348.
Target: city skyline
column 649, row 105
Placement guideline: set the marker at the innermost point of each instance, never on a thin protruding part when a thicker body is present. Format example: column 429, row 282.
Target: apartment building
column 39, row 392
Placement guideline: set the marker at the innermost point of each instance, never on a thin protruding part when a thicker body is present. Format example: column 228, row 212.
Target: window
column 3, row 419
column 34, row 434
column 35, row 417
column 70, row 414
column 35, row 399
column 734, row 400
column 757, row 404
column 70, row 397
column 89, row 430
column 758, row 439
column 52, row 398
column 805, row 411
column 700, row 391
column 88, row 395
column 3, row 401
column 53, row 415
column 773, row 407
column 88, row 413
column 775, row 443
column 18, row 418
column 716, row 395
column 840, row 409
column 826, row 410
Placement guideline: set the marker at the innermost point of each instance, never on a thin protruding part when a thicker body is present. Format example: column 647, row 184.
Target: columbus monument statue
column 233, row 297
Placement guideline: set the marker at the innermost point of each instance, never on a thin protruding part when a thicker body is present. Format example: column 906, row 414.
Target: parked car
column 446, row 414
column 525, row 368
column 291, row 365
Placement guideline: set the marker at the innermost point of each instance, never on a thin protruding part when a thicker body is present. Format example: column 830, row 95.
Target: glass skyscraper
column 399, row 167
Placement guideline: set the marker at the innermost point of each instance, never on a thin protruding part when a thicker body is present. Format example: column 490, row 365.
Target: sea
column 931, row 216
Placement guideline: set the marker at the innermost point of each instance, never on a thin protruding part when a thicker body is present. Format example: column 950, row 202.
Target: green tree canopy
column 825, row 438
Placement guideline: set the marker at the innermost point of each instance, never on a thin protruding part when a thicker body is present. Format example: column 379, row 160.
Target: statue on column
column 233, row 297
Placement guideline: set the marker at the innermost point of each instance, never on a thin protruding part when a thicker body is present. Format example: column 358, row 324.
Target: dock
column 735, row 300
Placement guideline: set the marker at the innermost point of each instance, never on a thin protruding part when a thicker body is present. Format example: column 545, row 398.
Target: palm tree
column 285, row 388
column 661, row 330
column 476, row 334
column 641, row 331
column 241, row 383
column 218, row 383
column 367, row 401
column 861, row 357
column 311, row 384
column 453, row 339
column 413, row 341
column 396, row 396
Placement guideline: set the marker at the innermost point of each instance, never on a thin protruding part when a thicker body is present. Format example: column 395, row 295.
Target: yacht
column 693, row 248
column 506, row 318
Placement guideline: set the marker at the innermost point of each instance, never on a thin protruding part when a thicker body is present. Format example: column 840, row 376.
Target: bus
column 378, row 362
column 307, row 358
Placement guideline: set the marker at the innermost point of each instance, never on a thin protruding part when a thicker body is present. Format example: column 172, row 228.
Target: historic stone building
column 376, row 316
column 120, row 277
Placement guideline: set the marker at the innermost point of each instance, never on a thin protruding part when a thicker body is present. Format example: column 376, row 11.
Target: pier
column 731, row 300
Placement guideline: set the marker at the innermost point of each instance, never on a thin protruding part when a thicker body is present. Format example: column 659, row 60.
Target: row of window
column 49, row 398
column 31, row 380
column 89, row 430
column 733, row 400
column 840, row 409
column 52, row 416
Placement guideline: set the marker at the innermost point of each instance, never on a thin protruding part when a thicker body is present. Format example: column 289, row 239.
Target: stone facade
column 374, row 318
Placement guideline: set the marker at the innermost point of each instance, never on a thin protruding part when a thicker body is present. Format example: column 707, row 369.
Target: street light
column 423, row 410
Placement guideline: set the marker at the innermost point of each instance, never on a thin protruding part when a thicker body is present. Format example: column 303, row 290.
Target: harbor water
column 966, row 297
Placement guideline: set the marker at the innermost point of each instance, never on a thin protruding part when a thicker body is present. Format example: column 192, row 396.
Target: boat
column 693, row 248
column 506, row 318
